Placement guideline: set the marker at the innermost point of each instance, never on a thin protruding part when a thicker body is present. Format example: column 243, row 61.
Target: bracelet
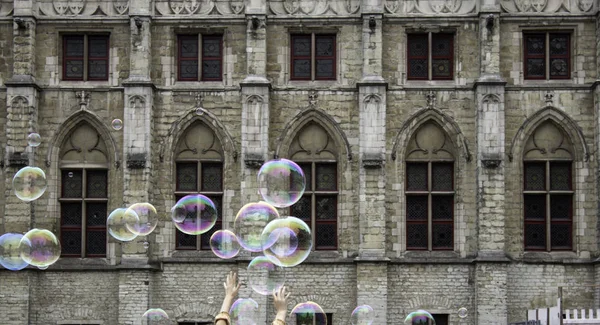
column 223, row 316
column 278, row 322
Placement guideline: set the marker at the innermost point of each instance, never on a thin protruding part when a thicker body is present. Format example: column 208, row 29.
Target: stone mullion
column 372, row 284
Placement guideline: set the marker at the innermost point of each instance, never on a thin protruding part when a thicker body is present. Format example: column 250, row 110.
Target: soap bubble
column 70, row 174
column 463, row 312
column 117, row 224
column 10, row 253
column 147, row 219
column 302, row 241
column 42, row 268
column 29, row 183
column 419, row 317
column 282, row 242
column 309, row 313
column 40, row 247
column 200, row 111
column 244, row 312
column 250, row 222
column 34, row 139
column 117, row 124
column 194, row 214
column 264, row 276
column 146, row 245
column 156, row 316
column 281, row 182
column 224, row 244
column 362, row 315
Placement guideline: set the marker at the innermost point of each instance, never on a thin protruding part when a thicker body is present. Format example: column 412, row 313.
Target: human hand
column 280, row 301
column 231, row 288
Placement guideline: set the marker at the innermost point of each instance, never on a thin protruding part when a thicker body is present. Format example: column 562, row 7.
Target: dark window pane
column 535, row 236
column 442, row 235
column 324, row 68
column 301, row 209
column 416, row 177
column 326, row 207
column 535, row 207
column 70, row 214
column 212, row 177
column 325, row 235
column 560, row 236
column 211, row 47
column 187, row 177
column 218, row 201
column 416, row 207
column 189, row 48
column 188, row 69
column 536, row 68
column 205, row 238
column 98, row 47
column 96, row 214
column 441, row 68
column 417, row 68
column 70, row 242
column 185, row 241
column 535, row 177
column 441, row 45
column 325, row 45
column 442, row 175
column 307, row 169
column 301, row 68
column 416, row 236
column 74, row 46
column 417, row 45
column 559, row 44
column 535, row 44
column 559, row 67
column 440, row 319
column 326, row 177
column 560, row 176
column 74, row 69
column 211, row 70
column 561, row 207
column 97, row 184
column 96, row 242
column 97, row 69
column 442, row 207
column 72, row 182
column 301, row 46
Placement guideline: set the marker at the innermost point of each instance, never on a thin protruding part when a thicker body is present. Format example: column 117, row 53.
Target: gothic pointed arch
column 565, row 124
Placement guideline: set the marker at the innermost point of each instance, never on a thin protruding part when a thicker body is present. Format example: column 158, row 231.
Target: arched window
column 430, row 190
column 548, row 189
column 83, row 193
column 314, row 150
column 199, row 169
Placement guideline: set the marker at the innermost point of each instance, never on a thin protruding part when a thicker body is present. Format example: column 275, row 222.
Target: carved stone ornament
column 313, row 99
column 121, row 7
column 199, row 7
column 137, row 101
column 547, row 6
column 83, row 99
column 314, row 7
column 136, row 160
column 253, row 161
column 491, row 163
column 372, row 161
column 18, row 159
column 430, row 6
column 431, row 99
column 73, row 7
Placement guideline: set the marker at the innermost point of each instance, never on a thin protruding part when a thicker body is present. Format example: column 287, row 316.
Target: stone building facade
column 450, row 147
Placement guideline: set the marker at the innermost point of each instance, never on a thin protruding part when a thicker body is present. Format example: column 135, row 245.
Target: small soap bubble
column 117, row 124
column 309, row 313
column 194, row 214
column 156, row 316
column 224, row 244
column 40, row 247
column 293, row 237
column 249, row 223
column 10, row 253
column 244, row 312
column 70, row 174
column 281, row 182
column 29, row 183
column 419, row 317
column 34, row 139
column 147, row 219
column 362, row 315
column 117, row 224
column 463, row 312
column 264, row 276
column 200, row 111
column 146, row 245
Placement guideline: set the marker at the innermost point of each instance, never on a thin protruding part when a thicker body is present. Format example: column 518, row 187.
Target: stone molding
column 136, row 160
column 253, row 161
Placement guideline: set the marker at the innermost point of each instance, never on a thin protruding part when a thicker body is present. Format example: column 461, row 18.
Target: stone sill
column 93, row 264
column 552, row 258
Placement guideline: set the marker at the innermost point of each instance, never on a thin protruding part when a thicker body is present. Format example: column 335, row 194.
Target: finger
column 225, row 285
column 286, row 296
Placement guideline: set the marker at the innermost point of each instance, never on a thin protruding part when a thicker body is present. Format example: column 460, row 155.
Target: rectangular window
column 83, row 206
column 199, row 178
column 85, row 57
column 200, row 58
column 547, row 56
column 313, row 57
column 311, row 319
column 430, row 56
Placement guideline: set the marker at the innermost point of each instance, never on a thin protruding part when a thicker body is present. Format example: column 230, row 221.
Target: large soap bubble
column 419, row 317
column 224, row 244
column 117, row 224
column 29, row 183
column 147, row 219
column 10, row 253
column 194, row 214
column 309, row 313
column 362, row 315
column 265, row 276
column 281, row 182
column 40, row 247
column 244, row 312
column 156, row 316
column 250, row 222
column 289, row 232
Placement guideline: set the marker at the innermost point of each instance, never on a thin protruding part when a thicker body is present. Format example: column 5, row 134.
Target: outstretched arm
column 231, row 289
column 280, row 301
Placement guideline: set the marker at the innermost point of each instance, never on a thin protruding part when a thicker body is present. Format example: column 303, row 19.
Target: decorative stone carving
column 121, row 7
column 430, row 6
column 253, row 161
column 491, row 163
column 431, row 99
column 314, row 7
column 84, row 98
column 548, row 6
column 549, row 98
column 137, row 101
column 199, row 7
column 73, row 7
column 18, row 159
column 82, row 7
column 372, row 161
column 313, row 99
column 136, row 161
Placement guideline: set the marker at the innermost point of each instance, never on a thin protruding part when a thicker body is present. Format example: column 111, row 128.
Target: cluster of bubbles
column 126, row 224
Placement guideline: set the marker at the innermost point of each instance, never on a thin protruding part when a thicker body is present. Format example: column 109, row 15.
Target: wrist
column 281, row 314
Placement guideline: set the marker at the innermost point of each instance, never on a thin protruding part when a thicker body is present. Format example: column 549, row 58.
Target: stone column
column 372, row 284
column 491, row 293
column 134, row 296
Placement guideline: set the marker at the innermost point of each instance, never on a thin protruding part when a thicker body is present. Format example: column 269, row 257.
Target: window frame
column 86, row 56
column 200, row 57
column 547, row 57
column 313, row 56
column 430, row 57
column 329, row 317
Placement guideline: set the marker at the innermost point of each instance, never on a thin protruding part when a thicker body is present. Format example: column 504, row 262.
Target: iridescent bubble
column 117, row 124
column 156, row 316
column 194, row 214
column 309, row 313
column 463, row 312
column 147, row 219
column 250, row 222
column 117, row 224
column 302, row 235
column 264, row 276
column 42, row 267
column 282, row 242
column 29, row 183
column 70, row 174
column 40, row 247
column 34, row 139
column 146, row 245
column 10, row 253
column 244, row 312
column 363, row 315
column 200, row 111
column 419, row 317
column 281, row 182
column 224, row 244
